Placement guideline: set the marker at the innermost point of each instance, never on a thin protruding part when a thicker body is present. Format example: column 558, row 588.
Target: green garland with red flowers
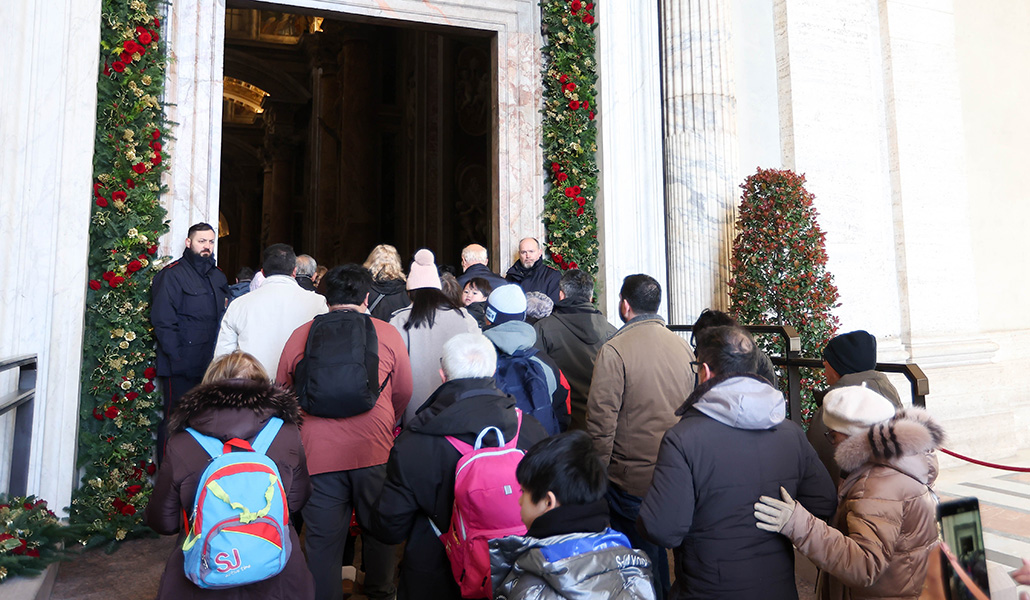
column 570, row 133
column 120, row 403
column 779, row 268
column 31, row 536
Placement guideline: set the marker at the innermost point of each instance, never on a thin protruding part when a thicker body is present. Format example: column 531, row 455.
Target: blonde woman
column 388, row 294
column 235, row 400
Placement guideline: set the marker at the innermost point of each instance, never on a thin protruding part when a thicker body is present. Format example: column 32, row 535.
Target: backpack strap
column 464, row 448
column 267, row 435
column 212, row 446
column 376, row 302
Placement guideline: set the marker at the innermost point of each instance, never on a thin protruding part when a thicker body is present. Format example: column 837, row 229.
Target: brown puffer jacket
column 885, row 521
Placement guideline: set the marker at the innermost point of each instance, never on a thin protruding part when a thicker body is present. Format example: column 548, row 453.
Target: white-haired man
column 420, row 473
column 306, row 267
column 475, row 263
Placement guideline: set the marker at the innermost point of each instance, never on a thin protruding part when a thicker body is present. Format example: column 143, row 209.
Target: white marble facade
column 880, row 103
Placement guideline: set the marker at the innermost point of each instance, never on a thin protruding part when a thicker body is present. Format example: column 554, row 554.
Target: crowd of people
column 403, row 395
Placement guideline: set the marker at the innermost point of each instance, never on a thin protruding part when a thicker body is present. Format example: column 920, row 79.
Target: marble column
column 700, row 135
column 277, row 200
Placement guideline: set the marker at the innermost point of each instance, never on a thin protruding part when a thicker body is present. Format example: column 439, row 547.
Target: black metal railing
column 791, row 362
column 23, row 403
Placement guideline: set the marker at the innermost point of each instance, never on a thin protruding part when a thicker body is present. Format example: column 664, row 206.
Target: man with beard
column 188, row 299
column 530, row 272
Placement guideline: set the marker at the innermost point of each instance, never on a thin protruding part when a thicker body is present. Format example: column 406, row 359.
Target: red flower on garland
column 118, row 196
column 101, row 202
column 573, row 265
column 569, row 192
column 133, row 266
column 116, row 281
column 125, row 57
column 131, row 396
column 148, row 387
column 111, row 412
column 562, row 176
column 118, row 66
column 156, row 134
column 145, row 38
column 107, row 69
column 108, row 275
column 580, row 200
column 99, row 416
column 575, row 6
column 128, row 509
column 139, row 168
column 150, row 372
column 157, row 23
column 151, row 469
column 588, row 19
column 132, row 490
column 130, row 183
column 94, row 284
column 579, row 211
column 152, row 250
column 563, row 78
column 574, row 104
column 591, row 115
column 570, row 86
column 156, row 146
column 157, row 159
column 555, row 167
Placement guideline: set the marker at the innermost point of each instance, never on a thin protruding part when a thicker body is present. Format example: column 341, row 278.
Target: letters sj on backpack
column 339, row 374
column 486, row 506
column 239, row 532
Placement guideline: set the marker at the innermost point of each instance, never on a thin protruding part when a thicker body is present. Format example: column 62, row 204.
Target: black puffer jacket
column 233, row 408
column 538, row 278
column 731, row 446
column 420, row 478
column 390, row 295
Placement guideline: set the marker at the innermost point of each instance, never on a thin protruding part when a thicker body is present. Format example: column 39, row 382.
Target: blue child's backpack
column 239, row 531
column 523, row 375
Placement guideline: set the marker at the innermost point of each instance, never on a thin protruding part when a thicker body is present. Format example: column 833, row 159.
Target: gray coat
column 574, row 565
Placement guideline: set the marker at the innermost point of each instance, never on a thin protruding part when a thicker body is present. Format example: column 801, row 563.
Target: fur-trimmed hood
column 904, row 442
column 234, row 408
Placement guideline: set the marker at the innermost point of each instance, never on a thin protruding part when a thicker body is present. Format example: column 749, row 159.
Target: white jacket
column 260, row 322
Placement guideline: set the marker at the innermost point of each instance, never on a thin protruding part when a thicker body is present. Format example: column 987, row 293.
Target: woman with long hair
column 388, row 293
column 432, row 319
column 235, row 400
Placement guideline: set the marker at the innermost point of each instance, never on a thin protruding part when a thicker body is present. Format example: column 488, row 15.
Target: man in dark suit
column 188, row 299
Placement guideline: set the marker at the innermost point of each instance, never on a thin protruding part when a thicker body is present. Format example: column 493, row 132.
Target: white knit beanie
column 852, row 410
column 423, row 271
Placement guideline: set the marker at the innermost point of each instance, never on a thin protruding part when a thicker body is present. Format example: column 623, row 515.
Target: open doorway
column 339, row 134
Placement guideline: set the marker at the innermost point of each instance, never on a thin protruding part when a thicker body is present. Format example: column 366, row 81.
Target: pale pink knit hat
column 423, row 271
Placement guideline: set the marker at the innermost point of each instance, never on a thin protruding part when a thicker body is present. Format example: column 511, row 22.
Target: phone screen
column 960, row 527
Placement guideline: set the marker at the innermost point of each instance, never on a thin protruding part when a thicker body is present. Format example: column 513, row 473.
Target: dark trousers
column 327, row 516
column 624, row 508
column 173, row 388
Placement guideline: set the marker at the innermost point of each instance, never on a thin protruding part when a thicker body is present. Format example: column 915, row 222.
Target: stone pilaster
column 700, row 135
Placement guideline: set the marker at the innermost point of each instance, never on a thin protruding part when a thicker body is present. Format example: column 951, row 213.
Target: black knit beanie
column 851, row 352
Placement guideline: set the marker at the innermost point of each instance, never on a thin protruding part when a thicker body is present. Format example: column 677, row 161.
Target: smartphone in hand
column 960, row 528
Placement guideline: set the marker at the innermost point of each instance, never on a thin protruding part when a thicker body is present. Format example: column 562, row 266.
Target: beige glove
column 773, row 514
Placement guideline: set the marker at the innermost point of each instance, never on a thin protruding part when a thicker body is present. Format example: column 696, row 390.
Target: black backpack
column 339, row 374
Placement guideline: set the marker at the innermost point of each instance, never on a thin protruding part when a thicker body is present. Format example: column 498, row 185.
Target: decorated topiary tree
column 779, row 274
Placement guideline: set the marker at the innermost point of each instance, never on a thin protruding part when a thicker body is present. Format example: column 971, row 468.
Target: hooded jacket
column 885, row 525
column 538, row 278
column 569, row 551
column 188, row 299
column 572, row 335
column 817, row 430
column 641, row 376
column 391, row 297
column 510, row 337
column 732, row 445
column 419, row 482
column 229, row 409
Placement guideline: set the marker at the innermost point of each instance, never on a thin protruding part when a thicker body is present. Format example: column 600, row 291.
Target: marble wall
column 47, row 114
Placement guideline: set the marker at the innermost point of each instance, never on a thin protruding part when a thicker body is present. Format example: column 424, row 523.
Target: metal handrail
column 792, row 362
column 23, row 403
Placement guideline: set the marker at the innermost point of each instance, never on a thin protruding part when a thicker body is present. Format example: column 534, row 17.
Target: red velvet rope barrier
column 985, row 464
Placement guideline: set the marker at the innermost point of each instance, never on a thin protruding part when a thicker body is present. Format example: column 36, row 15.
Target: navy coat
column 188, row 299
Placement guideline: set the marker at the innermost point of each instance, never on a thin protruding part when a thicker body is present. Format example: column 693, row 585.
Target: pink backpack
column 486, row 506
